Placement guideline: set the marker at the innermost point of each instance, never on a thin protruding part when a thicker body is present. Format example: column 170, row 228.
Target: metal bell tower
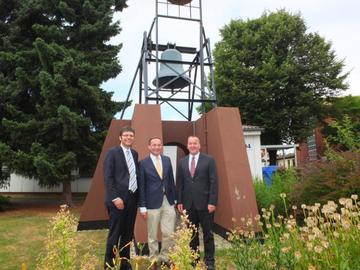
column 167, row 73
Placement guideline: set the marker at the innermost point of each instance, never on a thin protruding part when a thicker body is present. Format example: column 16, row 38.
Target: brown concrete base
column 221, row 135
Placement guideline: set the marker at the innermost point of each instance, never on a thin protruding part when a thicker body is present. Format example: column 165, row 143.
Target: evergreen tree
column 278, row 75
column 54, row 56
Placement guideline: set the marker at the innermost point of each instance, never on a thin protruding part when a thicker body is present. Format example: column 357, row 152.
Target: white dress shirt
column 196, row 159
column 125, row 154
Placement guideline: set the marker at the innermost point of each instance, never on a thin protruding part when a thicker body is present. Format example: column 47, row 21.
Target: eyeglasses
column 128, row 135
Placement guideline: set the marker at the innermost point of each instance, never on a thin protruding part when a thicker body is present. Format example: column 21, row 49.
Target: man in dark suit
column 121, row 197
column 157, row 199
column 198, row 194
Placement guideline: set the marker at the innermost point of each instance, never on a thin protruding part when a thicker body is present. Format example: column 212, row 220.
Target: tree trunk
column 272, row 157
column 67, row 194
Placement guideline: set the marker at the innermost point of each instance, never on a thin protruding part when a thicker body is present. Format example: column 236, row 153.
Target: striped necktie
column 131, row 167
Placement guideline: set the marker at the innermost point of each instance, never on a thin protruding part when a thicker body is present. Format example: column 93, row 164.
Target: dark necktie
column 192, row 166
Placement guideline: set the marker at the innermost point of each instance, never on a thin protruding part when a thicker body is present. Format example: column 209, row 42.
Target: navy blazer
column 200, row 190
column 152, row 187
column 116, row 174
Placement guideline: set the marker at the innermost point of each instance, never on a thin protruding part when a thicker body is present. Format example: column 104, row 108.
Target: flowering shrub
column 327, row 238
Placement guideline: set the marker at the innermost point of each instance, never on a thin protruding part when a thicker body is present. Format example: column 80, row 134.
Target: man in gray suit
column 157, row 199
column 198, row 194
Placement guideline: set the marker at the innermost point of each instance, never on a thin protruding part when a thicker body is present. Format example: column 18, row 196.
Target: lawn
column 23, row 231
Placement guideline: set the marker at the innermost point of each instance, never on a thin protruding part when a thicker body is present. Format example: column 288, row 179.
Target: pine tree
column 54, row 56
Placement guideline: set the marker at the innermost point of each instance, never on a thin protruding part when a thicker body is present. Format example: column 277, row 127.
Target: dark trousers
column 121, row 228
column 205, row 219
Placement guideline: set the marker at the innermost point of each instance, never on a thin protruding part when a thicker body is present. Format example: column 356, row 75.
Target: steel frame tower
column 199, row 67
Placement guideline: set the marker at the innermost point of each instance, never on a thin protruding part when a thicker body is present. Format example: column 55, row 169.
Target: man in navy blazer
column 197, row 183
column 121, row 171
column 157, row 199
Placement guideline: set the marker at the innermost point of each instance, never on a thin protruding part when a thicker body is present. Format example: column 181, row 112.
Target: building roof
column 279, row 146
column 252, row 128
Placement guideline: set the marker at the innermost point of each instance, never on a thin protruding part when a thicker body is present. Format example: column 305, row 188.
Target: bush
column 343, row 134
column 282, row 183
column 4, row 203
column 328, row 179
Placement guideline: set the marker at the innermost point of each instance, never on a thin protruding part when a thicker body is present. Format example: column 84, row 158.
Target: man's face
column 155, row 146
column 193, row 145
column 127, row 138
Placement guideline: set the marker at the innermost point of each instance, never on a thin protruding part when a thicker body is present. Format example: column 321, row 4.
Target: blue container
column 267, row 174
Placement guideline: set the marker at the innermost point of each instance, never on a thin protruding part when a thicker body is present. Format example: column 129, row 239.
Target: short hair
column 126, row 129
column 152, row 138
column 193, row 136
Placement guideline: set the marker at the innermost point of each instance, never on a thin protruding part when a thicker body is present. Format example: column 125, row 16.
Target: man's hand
column 180, row 207
column 211, row 208
column 119, row 204
column 143, row 215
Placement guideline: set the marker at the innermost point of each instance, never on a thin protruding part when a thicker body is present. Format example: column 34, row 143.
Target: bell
column 179, row 2
column 166, row 73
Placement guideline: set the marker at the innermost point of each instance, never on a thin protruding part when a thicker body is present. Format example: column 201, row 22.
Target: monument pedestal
column 221, row 135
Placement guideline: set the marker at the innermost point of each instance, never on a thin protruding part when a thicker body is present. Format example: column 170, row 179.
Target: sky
column 337, row 21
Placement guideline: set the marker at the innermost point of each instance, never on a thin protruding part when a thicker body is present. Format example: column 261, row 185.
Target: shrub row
column 317, row 182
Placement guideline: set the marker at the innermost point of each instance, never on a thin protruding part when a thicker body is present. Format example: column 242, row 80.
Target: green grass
column 23, row 231
column 22, row 240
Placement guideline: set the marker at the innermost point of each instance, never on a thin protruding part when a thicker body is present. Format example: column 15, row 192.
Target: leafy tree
column 345, row 135
column 338, row 107
column 342, row 126
column 277, row 73
column 54, row 55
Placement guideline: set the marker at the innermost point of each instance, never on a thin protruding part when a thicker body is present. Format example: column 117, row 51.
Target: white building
column 253, row 147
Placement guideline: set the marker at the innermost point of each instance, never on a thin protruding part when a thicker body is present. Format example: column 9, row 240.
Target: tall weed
column 61, row 246
column 282, row 183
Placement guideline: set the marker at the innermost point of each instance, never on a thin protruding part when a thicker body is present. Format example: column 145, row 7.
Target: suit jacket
column 152, row 187
column 200, row 190
column 116, row 174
